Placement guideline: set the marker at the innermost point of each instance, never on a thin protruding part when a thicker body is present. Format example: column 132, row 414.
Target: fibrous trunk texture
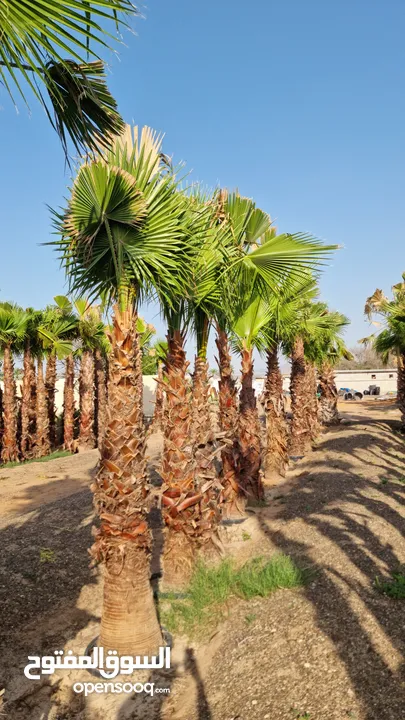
column 50, row 382
column 401, row 389
column 249, row 431
column 276, row 425
column 189, row 512
column 28, row 415
column 121, row 497
column 86, row 390
column 300, row 435
column 328, row 412
column 203, row 433
column 100, row 397
column 69, row 404
column 158, row 413
column 9, row 451
column 233, row 496
column 42, row 443
column 313, row 409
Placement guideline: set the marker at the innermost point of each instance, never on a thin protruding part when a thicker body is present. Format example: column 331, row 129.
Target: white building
column 385, row 379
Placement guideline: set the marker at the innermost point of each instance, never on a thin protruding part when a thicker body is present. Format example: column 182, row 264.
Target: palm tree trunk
column 9, row 451
column 50, row 382
column 69, row 404
column 313, row 410
column 401, row 389
column 158, row 413
column 233, row 496
column 86, row 390
column 276, row 425
column 27, row 430
column 33, row 403
column 129, row 621
column 180, row 499
column 300, row 436
column 42, row 443
column 328, row 411
column 100, row 397
column 203, row 434
column 249, row 431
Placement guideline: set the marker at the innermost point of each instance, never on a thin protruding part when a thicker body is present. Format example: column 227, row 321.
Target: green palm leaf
column 283, row 257
column 123, row 225
column 36, row 38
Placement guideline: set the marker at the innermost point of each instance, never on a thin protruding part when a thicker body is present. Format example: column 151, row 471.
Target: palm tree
column 55, row 331
column 249, row 331
column 28, row 390
column 13, row 327
column 190, row 485
column 310, row 317
column 181, row 496
column 69, row 403
column 120, row 234
column 267, row 261
column 33, row 39
column 284, row 307
column 93, row 344
column 391, row 338
column 327, row 349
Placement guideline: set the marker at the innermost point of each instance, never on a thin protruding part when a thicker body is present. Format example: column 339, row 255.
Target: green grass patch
column 47, row 555
column 394, row 588
column 53, row 456
column 211, row 588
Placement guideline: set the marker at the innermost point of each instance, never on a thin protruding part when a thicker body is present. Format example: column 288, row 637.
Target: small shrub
column 250, row 618
column 246, row 536
column 394, row 588
column 47, row 555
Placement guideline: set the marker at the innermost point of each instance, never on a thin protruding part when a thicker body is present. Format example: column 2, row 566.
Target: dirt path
column 28, row 487
column 330, row 651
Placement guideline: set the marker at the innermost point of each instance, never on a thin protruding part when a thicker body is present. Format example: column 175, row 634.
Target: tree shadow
column 139, row 706
column 44, row 566
column 332, row 504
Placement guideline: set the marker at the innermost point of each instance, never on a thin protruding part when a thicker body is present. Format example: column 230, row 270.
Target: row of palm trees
column 131, row 232
column 71, row 332
column 72, row 335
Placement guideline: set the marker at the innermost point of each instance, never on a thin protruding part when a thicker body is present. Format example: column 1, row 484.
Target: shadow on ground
column 346, row 525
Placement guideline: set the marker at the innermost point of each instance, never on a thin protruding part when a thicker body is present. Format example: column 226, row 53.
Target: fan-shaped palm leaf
column 36, row 37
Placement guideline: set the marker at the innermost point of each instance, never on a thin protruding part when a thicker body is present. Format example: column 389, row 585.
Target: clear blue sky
column 300, row 105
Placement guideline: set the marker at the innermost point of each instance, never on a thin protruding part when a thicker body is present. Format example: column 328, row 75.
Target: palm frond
column 36, row 37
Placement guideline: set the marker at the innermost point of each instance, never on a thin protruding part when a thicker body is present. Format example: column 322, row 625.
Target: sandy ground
column 331, row 650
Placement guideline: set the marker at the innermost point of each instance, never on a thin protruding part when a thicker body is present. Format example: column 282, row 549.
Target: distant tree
column 365, row 358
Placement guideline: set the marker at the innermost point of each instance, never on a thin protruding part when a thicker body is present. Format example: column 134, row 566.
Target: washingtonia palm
column 249, row 332
column 13, row 328
column 270, row 262
column 36, row 37
column 284, row 307
column 190, row 487
column 55, row 332
column 120, row 233
column 325, row 349
column 310, row 317
column 29, row 386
